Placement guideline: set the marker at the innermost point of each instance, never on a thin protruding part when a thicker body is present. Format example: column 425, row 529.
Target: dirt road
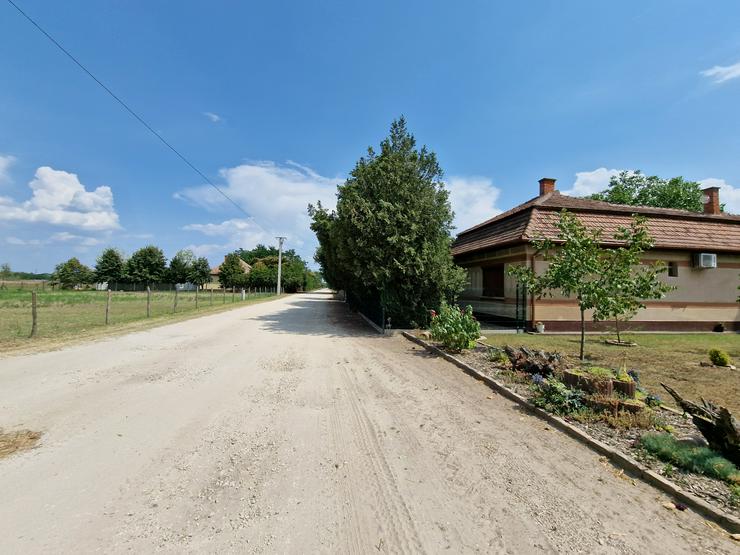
column 291, row 427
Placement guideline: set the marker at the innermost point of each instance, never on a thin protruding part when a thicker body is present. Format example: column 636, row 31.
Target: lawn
column 670, row 358
column 64, row 314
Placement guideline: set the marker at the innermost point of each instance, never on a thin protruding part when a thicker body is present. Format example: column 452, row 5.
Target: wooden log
column 716, row 424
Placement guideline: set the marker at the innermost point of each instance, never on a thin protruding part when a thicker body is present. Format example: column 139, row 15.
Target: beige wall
column 701, row 295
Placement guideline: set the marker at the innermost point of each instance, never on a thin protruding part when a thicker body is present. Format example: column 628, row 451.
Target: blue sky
column 275, row 101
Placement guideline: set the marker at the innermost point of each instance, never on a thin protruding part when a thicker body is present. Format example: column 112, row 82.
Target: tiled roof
column 537, row 217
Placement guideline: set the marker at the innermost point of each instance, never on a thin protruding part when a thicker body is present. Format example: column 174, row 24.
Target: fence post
column 233, row 294
column 211, row 295
column 243, row 294
column 148, row 301
column 196, row 296
column 107, row 308
column 174, row 304
column 34, row 316
column 224, row 295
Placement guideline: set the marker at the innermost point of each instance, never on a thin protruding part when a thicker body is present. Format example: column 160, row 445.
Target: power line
column 126, row 107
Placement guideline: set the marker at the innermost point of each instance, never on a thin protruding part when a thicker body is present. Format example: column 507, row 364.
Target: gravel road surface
column 291, row 427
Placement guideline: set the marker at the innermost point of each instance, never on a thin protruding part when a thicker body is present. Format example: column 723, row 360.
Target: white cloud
column 23, row 242
column 80, row 240
column 276, row 197
column 60, row 199
column 473, row 200
column 215, row 118
column 720, row 74
column 5, row 162
column 588, row 183
column 728, row 195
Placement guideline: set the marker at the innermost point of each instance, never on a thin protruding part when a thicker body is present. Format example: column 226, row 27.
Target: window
column 673, row 269
column 493, row 281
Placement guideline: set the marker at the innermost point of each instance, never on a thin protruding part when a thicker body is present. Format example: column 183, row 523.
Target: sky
column 276, row 101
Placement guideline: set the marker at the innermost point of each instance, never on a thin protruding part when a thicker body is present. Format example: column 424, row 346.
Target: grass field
column 669, row 358
column 66, row 314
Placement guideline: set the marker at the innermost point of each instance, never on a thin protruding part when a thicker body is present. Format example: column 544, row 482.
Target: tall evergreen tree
column 389, row 239
column 181, row 266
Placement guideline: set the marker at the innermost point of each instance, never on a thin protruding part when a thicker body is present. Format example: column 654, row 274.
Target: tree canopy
column 295, row 276
column 72, row 273
column 110, row 267
column 147, row 265
column 635, row 188
column 181, row 266
column 231, row 273
column 200, row 271
column 388, row 241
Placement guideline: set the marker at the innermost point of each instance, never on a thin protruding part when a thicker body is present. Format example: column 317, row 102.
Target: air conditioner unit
column 705, row 260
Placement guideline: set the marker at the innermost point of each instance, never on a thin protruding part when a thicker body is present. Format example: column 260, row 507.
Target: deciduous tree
column 200, row 271
column 638, row 189
column 147, row 265
column 231, row 273
column 181, row 266
column 72, row 273
column 110, row 267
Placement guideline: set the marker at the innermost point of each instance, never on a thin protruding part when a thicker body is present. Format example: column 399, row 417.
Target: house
column 701, row 250
column 217, row 270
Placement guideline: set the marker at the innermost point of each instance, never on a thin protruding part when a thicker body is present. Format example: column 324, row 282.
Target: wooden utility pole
column 107, row 308
column 34, row 316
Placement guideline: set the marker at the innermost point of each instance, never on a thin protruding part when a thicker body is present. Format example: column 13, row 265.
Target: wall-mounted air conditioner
column 705, row 260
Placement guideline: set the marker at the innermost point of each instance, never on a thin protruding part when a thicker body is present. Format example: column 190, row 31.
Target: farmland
column 67, row 314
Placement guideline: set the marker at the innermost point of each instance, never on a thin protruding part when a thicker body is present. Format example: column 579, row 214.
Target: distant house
column 217, row 270
column 701, row 250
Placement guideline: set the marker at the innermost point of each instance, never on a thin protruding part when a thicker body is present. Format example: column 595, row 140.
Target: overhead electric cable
column 126, row 107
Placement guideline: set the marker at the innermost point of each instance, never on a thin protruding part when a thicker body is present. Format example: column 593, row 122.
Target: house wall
column 702, row 298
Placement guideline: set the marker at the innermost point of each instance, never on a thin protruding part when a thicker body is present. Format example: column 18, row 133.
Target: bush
column 554, row 396
column 719, row 358
column 455, row 328
column 700, row 460
column 497, row 356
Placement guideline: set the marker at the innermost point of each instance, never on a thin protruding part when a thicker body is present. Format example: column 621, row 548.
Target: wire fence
column 50, row 313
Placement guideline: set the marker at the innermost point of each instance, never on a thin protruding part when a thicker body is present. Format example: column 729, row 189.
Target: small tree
column 200, row 272
column 231, row 273
column 147, row 265
column 5, row 271
column 72, row 273
column 624, row 283
column 181, row 266
column 573, row 268
column 110, row 267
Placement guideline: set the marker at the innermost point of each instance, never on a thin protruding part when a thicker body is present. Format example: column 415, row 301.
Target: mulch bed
column 712, row 490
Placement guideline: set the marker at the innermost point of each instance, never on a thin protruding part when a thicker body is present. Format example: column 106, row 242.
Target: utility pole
column 280, row 262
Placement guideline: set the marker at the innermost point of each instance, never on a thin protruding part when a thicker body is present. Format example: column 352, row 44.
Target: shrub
column 599, row 372
column 455, row 328
column 700, row 460
column 735, row 495
column 497, row 356
column 719, row 358
column 554, row 396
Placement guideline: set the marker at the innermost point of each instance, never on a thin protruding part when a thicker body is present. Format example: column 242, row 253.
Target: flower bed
column 619, row 422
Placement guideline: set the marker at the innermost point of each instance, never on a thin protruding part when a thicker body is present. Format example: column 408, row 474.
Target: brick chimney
column 711, row 200
column 547, row 185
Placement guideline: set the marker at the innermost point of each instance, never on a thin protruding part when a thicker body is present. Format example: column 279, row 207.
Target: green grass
column 66, row 314
column 669, row 358
column 699, row 460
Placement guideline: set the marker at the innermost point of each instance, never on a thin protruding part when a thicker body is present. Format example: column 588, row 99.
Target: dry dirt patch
column 20, row 440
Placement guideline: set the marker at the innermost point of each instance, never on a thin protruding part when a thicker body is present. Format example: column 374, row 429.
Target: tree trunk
column 616, row 324
column 583, row 333
column 716, row 424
